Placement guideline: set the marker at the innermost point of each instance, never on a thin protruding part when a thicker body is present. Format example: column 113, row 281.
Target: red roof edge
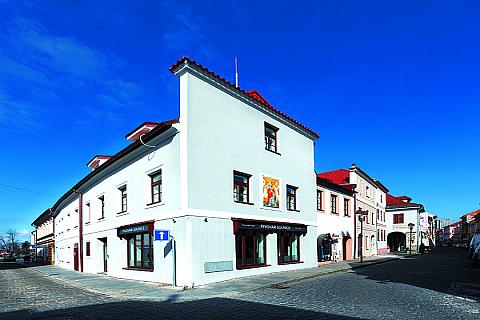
column 185, row 59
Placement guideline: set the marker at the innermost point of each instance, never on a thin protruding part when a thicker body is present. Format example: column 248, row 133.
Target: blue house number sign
column 162, row 235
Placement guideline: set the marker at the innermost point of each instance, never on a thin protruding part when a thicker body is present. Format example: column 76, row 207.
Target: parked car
column 476, row 257
column 473, row 244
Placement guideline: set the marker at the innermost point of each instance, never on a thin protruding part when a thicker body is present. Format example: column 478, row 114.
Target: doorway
column 347, row 248
column 396, row 241
column 105, row 253
column 75, row 257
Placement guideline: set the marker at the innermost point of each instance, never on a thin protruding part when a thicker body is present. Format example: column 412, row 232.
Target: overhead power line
column 25, row 189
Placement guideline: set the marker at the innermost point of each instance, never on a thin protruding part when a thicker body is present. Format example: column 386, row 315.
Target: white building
column 370, row 196
column 43, row 238
column 335, row 221
column 232, row 180
column 402, row 213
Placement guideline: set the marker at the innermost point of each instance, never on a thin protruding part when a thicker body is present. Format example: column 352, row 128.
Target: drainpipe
column 80, row 228
column 354, row 225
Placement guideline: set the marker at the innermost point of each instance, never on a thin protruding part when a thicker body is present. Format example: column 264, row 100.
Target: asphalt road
column 438, row 285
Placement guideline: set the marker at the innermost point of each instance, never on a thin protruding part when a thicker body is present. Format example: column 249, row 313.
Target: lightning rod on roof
column 236, row 72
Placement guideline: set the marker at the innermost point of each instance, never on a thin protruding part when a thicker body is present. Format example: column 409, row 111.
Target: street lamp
column 361, row 217
column 411, row 225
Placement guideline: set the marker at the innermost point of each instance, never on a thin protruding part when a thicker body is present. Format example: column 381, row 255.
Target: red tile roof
column 396, row 202
column 340, row 176
column 254, row 95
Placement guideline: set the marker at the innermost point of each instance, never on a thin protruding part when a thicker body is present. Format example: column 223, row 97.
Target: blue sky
column 390, row 85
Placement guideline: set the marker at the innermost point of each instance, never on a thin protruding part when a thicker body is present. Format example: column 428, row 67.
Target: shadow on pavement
column 17, row 265
column 445, row 269
column 215, row 308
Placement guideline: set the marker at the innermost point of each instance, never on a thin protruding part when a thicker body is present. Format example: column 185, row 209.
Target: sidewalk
column 131, row 289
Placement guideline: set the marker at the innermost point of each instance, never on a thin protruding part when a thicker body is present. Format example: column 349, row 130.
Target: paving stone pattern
column 439, row 285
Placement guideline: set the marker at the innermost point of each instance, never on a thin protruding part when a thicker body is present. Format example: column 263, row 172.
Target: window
column 270, row 138
column 156, row 186
column 346, row 207
column 381, row 198
column 319, row 200
column 333, row 203
column 87, row 249
column 241, row 187
column 397, row 218
column 123, row 191
column 102, row 207
column 87, row 213
column 140, row 251
column 288, row 247
column 250, row 247
column 291, row 198
column 367, row 191
column 373, row 218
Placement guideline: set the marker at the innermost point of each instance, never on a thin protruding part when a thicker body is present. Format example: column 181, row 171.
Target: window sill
column 122, row 213
column 335, row 213
column 101, row 219
column 154, row 205
column 289, row 262
column 87, row 223
column 275, row 152
column 240, row 202
column 138, row 269
column 321, row 210
column 295, row 210
column 252, row 266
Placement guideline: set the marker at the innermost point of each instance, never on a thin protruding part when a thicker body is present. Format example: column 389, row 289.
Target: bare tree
column 12, row 239
column 3, row 242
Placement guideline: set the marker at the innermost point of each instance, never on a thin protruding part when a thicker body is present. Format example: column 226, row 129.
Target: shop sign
column 272, row 227
column 136, row 229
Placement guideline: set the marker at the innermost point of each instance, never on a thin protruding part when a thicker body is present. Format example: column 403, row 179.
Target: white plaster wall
column 134, row 172
column 411, row 215
column 338, row 224
column 225, row 134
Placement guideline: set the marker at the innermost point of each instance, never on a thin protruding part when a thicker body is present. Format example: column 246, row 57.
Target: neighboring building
column 335, row 221
column 382, row 223
column 400, row 213
column 468, row 225
column 43, row 238
column 232, row 180
column 450, row 231
column 370, row 195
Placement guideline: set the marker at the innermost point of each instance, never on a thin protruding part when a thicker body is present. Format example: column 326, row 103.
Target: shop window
column 156, row 187
column 288, row 247
column 241, row 187
column 140, row 251
column 291, row 198
column 270, row 138
column 319, row 200
column 398, row 218
column 250, row 248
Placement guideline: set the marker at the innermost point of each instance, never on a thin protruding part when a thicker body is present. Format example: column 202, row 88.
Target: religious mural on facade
column 270, row 192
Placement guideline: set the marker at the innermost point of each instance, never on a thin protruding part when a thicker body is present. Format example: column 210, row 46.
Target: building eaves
column 159, row 129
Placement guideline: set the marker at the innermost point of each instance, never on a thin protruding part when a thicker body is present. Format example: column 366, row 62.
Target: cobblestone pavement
column 439, row 285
